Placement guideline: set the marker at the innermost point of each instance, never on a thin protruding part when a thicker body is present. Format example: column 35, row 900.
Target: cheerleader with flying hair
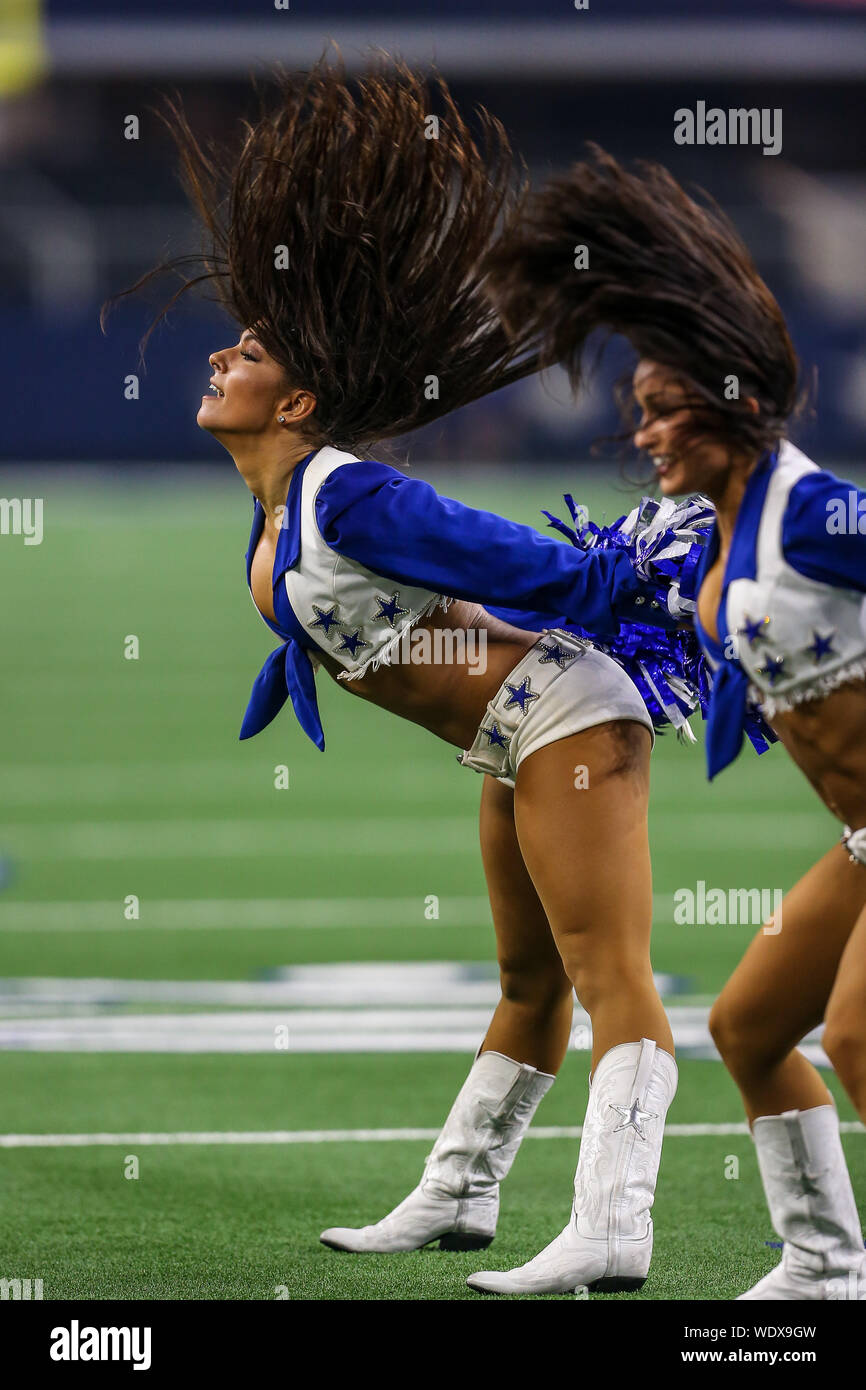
column 345, row 246
column 780, row 615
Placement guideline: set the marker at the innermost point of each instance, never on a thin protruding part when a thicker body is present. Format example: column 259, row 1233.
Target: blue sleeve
column 402, row 528
column 824, row 531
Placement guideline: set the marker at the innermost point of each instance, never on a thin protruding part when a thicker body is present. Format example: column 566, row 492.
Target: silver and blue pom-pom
column 663, row 540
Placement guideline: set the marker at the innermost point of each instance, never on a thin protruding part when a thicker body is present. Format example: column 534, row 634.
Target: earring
column 282, row 419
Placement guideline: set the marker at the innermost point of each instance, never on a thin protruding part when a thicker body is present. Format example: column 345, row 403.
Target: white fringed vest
column 356, row 615
column 797, row 638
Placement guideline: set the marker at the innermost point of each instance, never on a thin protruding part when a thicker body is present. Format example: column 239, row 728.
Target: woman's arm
column 401, row 527
column 821, row 532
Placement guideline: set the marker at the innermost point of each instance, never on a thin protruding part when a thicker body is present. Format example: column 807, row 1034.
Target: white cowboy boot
column 812, row 1208
column 607, row 1244
column 457, row 1199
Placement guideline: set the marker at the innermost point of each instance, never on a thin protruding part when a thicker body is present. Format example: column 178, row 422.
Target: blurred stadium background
column 158, row 1034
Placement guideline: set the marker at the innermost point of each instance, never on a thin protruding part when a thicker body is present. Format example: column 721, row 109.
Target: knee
column 598, row 976
column 541, row 986
column 742, row 1037
column 844, row 1042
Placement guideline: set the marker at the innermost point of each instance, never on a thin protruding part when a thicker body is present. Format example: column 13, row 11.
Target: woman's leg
column 777, row 994
column 585, row 843
column 845, row 1030
column 779, row 991
column 457, row 1200
column 580, row 812
column 532, row 1022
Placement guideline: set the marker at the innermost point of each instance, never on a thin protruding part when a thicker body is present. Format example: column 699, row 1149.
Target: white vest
column 801, row 614
column 356, row 615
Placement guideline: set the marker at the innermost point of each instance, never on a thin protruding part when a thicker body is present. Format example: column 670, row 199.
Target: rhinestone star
column 633, row 1116
column 556, row 653
column 326, row 618
column 774, row 669
column 521, row 695
column 352, row 642
column 754, row 631
column 389, row 608
column 496, row 738
column 822, row 646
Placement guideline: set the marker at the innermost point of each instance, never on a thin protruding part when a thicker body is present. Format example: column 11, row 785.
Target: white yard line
column 50, row 785
column 359, row 985
column 334, row 1136
column 211, row 914
column 305, row 1030
column 185, row 914
column 288, row 836
column 293, row 835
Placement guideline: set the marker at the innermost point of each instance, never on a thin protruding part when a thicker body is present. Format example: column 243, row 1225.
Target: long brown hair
column 381, row 312
column 668, row 272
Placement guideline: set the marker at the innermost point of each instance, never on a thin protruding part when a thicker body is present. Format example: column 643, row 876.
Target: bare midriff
column 448, row 698
column 826, row 738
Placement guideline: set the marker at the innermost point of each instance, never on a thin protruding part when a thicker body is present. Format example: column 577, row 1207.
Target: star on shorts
column 556, row 653
column 521, row 695
column 495, row 737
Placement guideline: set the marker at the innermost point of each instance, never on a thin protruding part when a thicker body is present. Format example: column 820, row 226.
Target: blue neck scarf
column 728, row 717
column 288, row 672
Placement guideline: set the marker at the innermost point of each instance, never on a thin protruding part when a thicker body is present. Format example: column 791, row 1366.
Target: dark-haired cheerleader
column 782, row 619
column 345, row 246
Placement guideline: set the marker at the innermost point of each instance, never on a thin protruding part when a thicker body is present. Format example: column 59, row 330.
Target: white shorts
column 562, row 686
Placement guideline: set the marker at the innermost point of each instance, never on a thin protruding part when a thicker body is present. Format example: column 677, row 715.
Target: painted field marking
column 238, row 914
column 336, row 1136
column 286, row 836
column 292, row 836
column 282, row 914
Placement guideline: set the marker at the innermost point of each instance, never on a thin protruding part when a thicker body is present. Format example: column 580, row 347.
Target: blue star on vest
column 325, row 618
column 774, row 669
column 556, row 653
column 389, row 609
column 496, row 738
column 822, row 646
column 352, row 642
column 521, row 695
column 754, row 631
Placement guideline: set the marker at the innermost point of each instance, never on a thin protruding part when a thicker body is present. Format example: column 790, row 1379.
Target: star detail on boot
column 633, row 1117
column 808, row 1185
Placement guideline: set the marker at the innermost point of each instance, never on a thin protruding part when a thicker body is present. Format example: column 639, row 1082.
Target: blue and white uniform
column 792, row 615
column 364, row 552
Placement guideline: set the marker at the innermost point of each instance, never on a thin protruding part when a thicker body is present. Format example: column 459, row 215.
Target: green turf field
column 125, row 778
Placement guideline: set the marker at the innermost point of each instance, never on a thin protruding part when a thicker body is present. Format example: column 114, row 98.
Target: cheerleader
column 377, row 234
column 780, row 615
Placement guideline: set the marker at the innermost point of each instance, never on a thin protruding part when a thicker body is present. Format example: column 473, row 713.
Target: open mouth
column 216, row 390
column 663, row 463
